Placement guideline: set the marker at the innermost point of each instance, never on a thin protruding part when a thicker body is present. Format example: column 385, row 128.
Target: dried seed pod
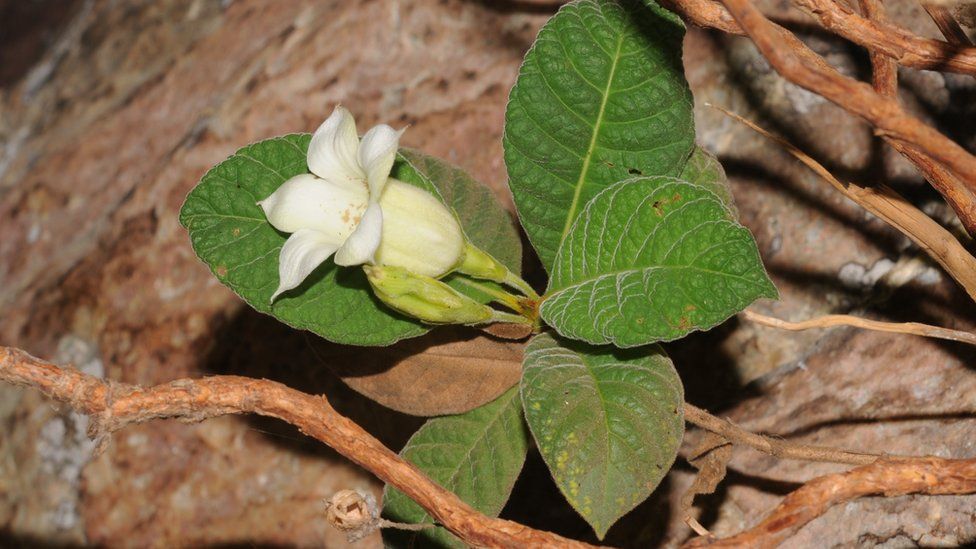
column 354, row 512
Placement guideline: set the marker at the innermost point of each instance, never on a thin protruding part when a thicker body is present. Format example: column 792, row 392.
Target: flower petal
column 376, row 155
column 361, row 245
column 304, row 250
column 307, row 202
column 332, row 151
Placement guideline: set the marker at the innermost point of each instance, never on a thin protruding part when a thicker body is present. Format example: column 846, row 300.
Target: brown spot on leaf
column 221, row 270
column 659, row 205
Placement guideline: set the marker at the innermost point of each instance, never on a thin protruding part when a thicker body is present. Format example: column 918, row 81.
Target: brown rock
column 130, row 104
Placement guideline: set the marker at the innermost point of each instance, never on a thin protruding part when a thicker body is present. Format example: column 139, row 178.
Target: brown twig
column 772, row 446
column 906, row 48
column 892, row 208
column 113, row 406
column 947, row 24
column 884, row 74
column 884, row 78
column 800, row 65
column 796, row 62
column 894, row 41
column 706, row 14
column 960, row 199
column 930, row 475
column 827, row 321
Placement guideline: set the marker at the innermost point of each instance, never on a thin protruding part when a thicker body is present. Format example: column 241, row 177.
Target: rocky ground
column 110, row 111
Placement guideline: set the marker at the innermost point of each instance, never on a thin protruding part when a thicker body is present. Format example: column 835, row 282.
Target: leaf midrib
column 604, row 480
column 545, row 354
column 571, row 215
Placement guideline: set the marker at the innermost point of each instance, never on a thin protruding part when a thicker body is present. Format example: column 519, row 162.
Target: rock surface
column 115, row 110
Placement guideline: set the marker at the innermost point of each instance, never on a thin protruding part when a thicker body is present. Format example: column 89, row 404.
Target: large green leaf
column 230, row 233
column 600, row 98
column 477, row 455
column 651, row 259
column 608, row 422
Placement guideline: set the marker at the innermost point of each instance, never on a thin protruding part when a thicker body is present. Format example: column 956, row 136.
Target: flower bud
column 420, row 234
column 423, row 297
column 481, row 265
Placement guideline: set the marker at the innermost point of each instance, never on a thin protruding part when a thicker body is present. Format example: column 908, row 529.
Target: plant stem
column 479, row 264
column 511, row 279
column 500, row 297
column 115, row 405
column 775, row 447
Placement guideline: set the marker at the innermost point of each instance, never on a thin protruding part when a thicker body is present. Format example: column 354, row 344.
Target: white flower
column 349, row 206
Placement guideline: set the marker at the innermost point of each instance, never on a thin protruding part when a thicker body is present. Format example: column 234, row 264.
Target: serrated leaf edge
column 768, row 292
column 550, row 345
column 427, row 518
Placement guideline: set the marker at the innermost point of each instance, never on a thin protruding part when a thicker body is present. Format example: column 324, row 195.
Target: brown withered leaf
column 449, row 371
column 710, row 457
column 511, row 331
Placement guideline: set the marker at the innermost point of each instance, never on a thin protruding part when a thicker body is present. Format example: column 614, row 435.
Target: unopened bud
column 424, row 298
column 479, row 264
column 419, row 232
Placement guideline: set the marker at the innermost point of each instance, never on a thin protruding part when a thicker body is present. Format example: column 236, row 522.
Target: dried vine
column 931, row 475
column 774, row 447
column 893, row 41
column 827, row 321
column 112, row 406
column 950, row 168
column 895, row 210
column 948, row 171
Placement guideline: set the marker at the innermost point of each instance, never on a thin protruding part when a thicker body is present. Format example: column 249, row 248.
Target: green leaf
column 703, row 168
column 651, row 259
column 477, row 455
column 607, row 422
column 601, row 97
column 230, row 233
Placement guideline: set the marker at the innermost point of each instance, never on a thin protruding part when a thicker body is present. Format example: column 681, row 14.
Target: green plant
column 633, row 223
